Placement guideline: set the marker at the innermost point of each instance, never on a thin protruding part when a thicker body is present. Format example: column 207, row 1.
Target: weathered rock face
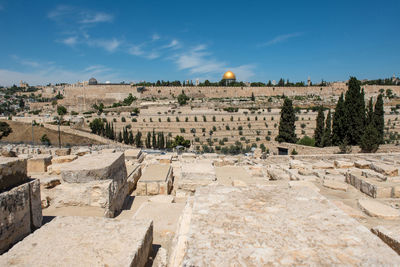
column 63, row 151
column 63, row 159
column 20, row 213
column 271, row 225
column 95, row 167
column 84, row 241
column 39, row 163
column 12, row 172
column 385, row 169
column 93, row 180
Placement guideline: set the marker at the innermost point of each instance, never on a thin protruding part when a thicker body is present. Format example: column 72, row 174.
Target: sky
column 51, row 41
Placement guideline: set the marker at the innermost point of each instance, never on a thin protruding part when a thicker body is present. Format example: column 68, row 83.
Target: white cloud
column 96, row 18
column 63, row 13
column 71, row 41
column 55, row 74
column 281, row 38
column 155, row 37
column 108, row 45
column 198, row 61
column 152, row 55
column 136, row 50
column 173, row 44
column 244, row 72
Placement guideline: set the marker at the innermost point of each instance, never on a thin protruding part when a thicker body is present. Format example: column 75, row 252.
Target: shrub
column 306, row 141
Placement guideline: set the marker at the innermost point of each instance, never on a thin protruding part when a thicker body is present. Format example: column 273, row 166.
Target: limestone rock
column 12, row 172
column 8, row 153
column 385, row 169
column 20, row 213
column 132, row 153
column 84, row 241
column 349, row 210
column 362, row 164
column 162, row 199
column 63, row 151
column 343, row 164
column 296, row 184
column 63, row 159
column 39, row 163
column 97, row 167
column 376, row 209
column 390, row 236
column 238, row 183
column 335, row 185
column 273, row 226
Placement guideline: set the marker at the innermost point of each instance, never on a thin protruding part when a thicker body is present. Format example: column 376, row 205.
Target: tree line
column 353, row 122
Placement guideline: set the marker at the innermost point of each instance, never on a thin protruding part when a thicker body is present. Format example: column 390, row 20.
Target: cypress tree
column 370, row 139
column 319, row 129
column 154, row 140
column 125, row 135
column 138, row 139
column 131, row 138
column 148, row 140
column 120, row 137
column 379, row 117
column 354, row 112
column 327, row 139
column 338, row 124
column 287, row 123
column 370, row 112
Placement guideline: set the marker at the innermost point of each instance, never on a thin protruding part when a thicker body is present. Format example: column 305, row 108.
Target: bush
column 123, row 119
column 306, row 141
column 45, row 140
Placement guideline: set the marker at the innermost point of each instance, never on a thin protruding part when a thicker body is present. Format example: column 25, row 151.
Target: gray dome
column 92, row 81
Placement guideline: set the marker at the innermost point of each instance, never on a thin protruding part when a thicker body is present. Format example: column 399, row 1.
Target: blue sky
column 65, row 41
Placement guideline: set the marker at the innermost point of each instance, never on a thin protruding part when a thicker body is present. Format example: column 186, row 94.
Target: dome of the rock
column 229, row 75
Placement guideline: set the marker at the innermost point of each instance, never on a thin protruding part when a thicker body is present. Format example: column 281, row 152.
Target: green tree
column 338, row 124
column 154, row 140
column 253, row 98
column 148, row 140
column 319, row 129
column 5, row 129
column 138, row 139
column 354, row 105
column 370, row 139
column 97, row 126
column 120, row 139
column 327, row 138
column 379, row 118
column 45, row 140
column 182, row 98
column 61, row 110
column 287, row 123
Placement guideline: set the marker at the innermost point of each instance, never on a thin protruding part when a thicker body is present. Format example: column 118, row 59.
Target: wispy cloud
column 109, row 45
column 282, row 38
column 71, row 41
column 155, row 37
column 25, row 62
column 96, row 18
column 63, row 13
column 173, row 44
column 55, row 74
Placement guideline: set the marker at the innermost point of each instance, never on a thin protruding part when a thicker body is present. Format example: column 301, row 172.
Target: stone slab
column 12, row 172
column 39, row 163
column 343, row 164
column 63, row 159
column 362, row 164
column 84, row 241
column 155, row 173
column 335, row 185
column 296, row 184
column 376, row 209
column 374, row 188
column 95, row 167
column 132, row 153
column 261, row 226
column 355, row 213
column 385, row 169
column 20, row 213
column 390, row 235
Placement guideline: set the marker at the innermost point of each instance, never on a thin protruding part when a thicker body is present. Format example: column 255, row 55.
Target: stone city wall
column 82, row 98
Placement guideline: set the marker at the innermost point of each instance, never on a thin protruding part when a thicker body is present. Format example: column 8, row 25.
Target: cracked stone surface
column 276, row 226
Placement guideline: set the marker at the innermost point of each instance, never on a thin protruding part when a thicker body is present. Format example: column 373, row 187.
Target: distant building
column 197, row 82
column 92, row 81
column 229, row 77
column 308, row 81
column 23, row 84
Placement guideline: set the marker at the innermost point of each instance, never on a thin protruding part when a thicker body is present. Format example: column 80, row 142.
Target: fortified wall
column 83, row 97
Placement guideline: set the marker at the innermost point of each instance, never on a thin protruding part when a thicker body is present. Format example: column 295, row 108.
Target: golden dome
column 229, row 75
